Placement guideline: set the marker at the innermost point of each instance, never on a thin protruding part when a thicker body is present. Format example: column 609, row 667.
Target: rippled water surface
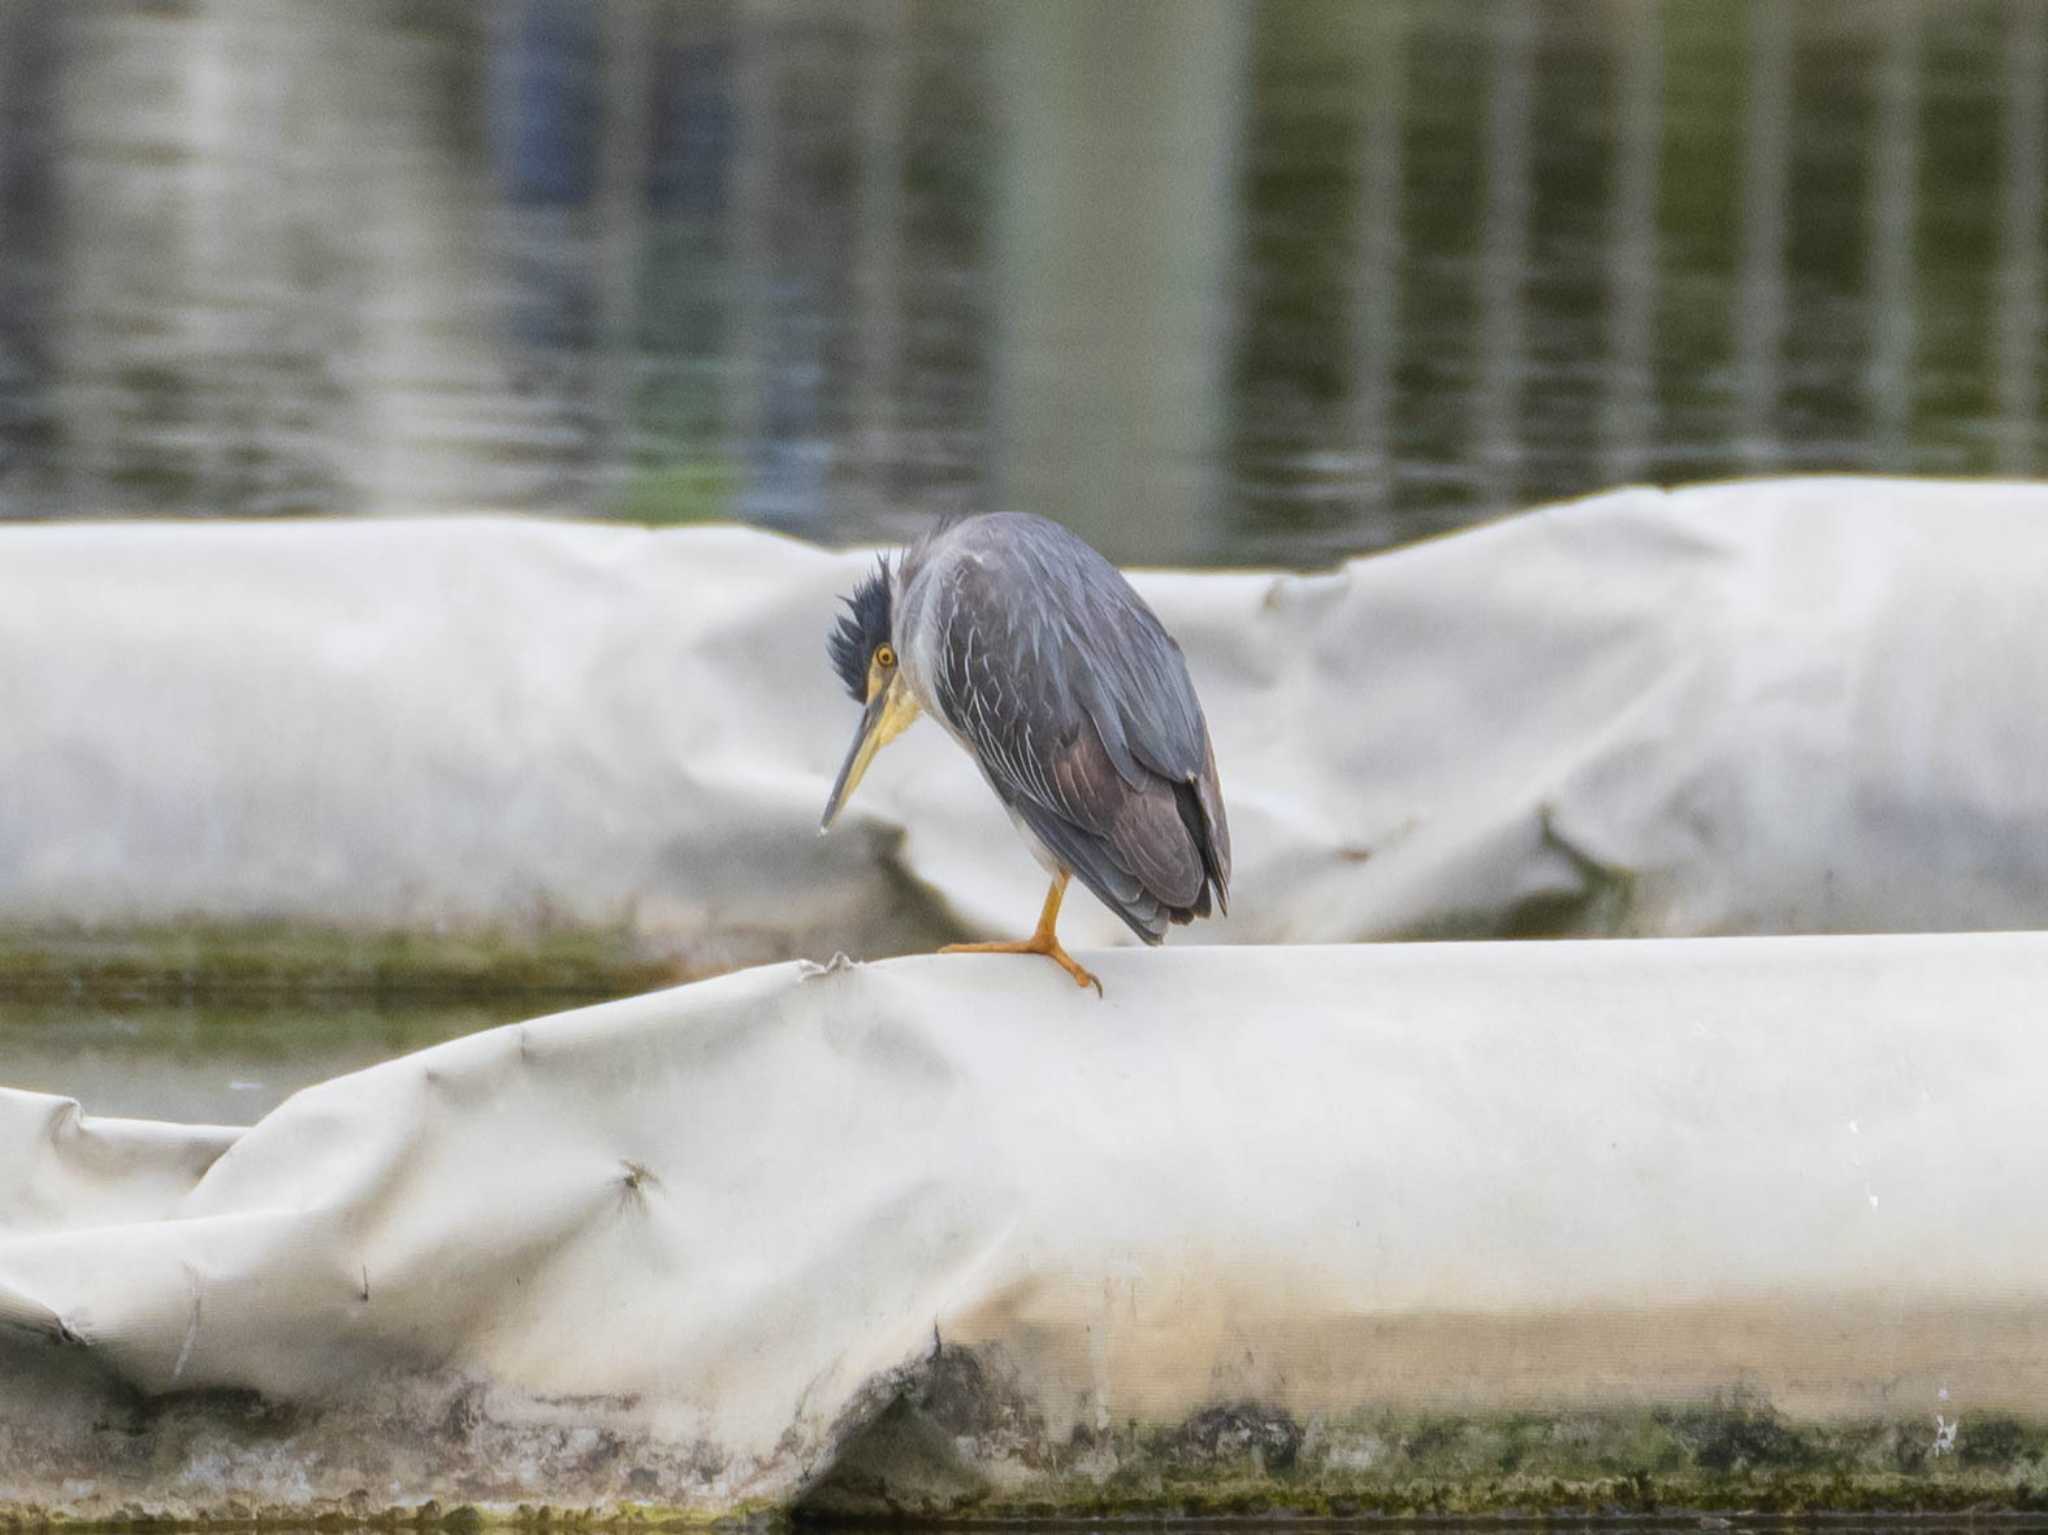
column 1216, row 282
column 219, row 1063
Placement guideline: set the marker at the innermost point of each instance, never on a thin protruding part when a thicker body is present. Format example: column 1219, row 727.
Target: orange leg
column 1043, row 941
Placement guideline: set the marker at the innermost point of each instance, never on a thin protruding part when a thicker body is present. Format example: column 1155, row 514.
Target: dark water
column 216, row 1063
column 1215, row 282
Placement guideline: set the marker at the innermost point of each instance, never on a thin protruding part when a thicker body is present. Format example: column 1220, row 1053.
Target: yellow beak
column 890, row 709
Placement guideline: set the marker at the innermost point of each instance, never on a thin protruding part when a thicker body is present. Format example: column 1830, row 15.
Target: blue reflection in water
column 1240, row 281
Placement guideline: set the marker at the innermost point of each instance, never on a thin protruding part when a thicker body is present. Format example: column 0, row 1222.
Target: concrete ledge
column 1437, row 1227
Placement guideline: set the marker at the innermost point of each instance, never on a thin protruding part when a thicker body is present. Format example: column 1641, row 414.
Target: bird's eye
column 885, row 657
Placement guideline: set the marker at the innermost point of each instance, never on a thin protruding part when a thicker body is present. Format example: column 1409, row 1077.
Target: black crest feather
column 865, row 626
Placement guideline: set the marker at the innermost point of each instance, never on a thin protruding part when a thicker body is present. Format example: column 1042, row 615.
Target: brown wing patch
column 1086, row 787
column 1143, row 826
column 1152, row 841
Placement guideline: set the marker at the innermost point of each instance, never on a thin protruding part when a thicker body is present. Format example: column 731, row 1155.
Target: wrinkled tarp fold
column 718, row 1227
column 1783, row 706
column 707, row 1249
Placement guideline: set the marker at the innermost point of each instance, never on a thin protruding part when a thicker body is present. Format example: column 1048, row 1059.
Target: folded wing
column 1078, row 705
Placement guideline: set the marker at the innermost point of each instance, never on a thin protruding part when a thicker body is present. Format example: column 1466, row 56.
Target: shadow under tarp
column 1773, row 707
column 1741, row 1222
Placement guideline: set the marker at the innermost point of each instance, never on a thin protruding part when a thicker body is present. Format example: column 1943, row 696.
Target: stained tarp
column 1778, row 707
column 996, row 1242
column 1639, row 1220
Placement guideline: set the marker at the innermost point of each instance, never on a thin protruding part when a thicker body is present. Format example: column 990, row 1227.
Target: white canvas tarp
column 945, row 1233
column 681, row 1250
column 1790, row 706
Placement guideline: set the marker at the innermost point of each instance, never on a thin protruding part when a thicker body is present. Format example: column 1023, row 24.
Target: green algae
column 1246, row 1461
column 1735, row 1457
column 204, row 960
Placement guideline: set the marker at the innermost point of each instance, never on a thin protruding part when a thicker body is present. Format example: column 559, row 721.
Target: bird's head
column 863, row 650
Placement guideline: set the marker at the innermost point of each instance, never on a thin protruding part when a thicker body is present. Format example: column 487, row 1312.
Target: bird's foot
column 1037, row 943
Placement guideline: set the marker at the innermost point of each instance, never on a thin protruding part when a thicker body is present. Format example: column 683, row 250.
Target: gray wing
column 1078, row 704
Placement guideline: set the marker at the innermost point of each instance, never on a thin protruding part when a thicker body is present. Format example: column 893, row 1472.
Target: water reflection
column 222, row 1063
column 1239, row 281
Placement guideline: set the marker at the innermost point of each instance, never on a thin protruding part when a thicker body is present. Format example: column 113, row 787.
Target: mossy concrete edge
column 951, row 1444
column 961, row 1440
column 203, row 960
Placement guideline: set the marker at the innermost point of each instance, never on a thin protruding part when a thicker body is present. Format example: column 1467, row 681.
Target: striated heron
column 1038, row 657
